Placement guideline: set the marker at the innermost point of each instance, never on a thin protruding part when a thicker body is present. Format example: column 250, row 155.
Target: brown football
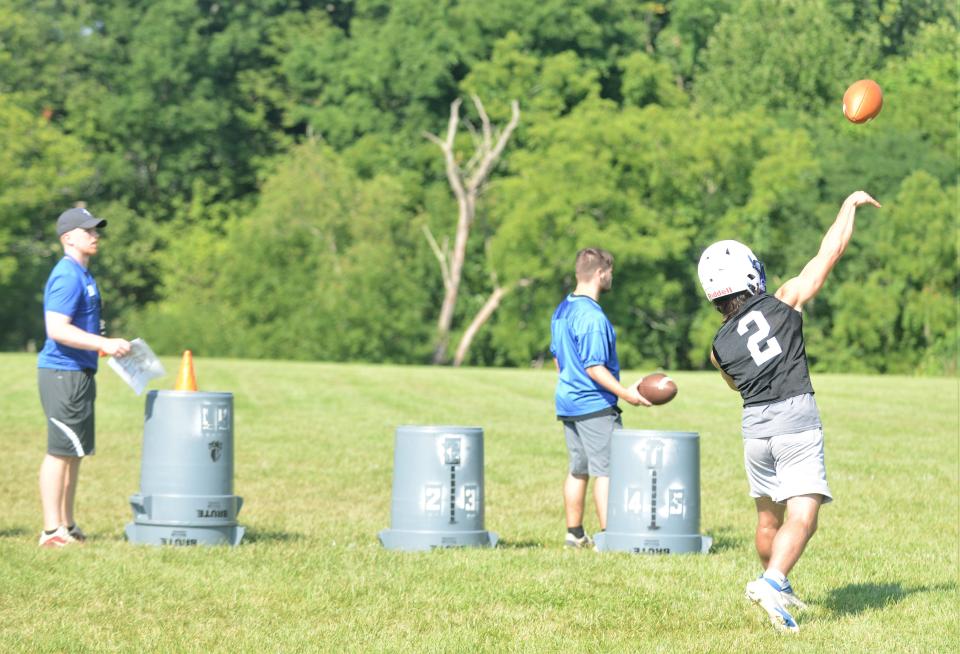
column 658, row 388
column 862, row 101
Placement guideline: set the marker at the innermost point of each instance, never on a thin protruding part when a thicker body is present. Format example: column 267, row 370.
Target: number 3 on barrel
column 771, row 347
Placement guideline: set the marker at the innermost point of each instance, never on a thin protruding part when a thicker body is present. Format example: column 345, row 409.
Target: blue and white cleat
column 790, row 599
column 767, row 595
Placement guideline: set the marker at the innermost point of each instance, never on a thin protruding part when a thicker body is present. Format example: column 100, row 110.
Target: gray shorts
column 68, row 397
column 588, row 444
column 781, row 467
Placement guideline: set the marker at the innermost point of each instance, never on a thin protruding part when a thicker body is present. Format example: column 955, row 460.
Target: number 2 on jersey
column 771, row 347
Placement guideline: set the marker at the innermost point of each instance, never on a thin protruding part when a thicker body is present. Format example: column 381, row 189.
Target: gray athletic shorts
column 588, row 444
column 784, row 466
column 67, row 397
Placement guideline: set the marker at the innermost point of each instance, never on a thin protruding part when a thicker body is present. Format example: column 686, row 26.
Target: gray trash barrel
column 654, row 505
column 437, row 489
column 186, row 474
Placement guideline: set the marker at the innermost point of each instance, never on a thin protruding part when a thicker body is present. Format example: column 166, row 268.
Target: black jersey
column 761, row 347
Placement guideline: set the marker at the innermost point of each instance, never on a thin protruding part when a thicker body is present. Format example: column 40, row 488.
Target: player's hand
column 116, row 347
column 633, row 396
column 860, row 198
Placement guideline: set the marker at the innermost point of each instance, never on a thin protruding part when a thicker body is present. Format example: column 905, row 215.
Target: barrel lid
column 654, row 433
column 206, row 395
column 438, row 429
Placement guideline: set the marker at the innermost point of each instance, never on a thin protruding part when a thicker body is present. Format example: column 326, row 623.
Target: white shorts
column 785, row 466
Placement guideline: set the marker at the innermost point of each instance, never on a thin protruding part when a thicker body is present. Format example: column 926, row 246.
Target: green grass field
column 314, row 457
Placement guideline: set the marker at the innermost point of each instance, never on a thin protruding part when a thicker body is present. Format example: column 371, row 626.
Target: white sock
column 776, row 575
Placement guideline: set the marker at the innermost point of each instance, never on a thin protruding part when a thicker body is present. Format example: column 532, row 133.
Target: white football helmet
column 728, row 267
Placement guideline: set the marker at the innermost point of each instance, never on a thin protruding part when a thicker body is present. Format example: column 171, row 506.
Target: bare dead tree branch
column 479, row 176
column 440, row 254
column 477, row 146
column 483, row 315
column 485, row 121
column 479, row 166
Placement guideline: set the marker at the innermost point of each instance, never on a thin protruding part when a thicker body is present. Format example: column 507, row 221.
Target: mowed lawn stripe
column 314, row 459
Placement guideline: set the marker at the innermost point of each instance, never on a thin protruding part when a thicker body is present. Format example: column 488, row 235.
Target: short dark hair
column 590, row 260
column 729, row 305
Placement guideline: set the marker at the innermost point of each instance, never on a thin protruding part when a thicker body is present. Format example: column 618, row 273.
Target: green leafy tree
column 648, row 81
column 898, row 20
column 546, row 86
column 793, row 56
column 684, row 40
column 896, row 309
column 42, row 173
column 390, row 69
column 162, row 97
column 327, row 266
column 591, row 178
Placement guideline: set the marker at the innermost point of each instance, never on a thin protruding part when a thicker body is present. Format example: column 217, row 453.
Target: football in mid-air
column 862, row 101
column 658, row 388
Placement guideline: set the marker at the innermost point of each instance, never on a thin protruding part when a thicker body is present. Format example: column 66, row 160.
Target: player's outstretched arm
column 605, row 378
column 801, row 289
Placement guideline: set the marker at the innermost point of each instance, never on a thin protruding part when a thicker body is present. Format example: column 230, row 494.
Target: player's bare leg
column 53, row 472
column 769, row 521
column 792, row 538
column 574, row 499
column 574, row 495
column 601, row 494
column 780, row 543
column 71, row 475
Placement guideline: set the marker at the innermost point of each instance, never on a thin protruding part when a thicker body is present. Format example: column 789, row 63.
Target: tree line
column 280, row 178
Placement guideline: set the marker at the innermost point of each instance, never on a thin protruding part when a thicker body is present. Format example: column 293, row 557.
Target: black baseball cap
column 77, row 217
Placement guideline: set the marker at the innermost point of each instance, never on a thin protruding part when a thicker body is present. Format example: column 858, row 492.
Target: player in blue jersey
column 66, row 368
column 760, row 353
column 584, row 348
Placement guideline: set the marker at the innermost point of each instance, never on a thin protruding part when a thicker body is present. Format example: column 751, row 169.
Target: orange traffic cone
column 186, row 379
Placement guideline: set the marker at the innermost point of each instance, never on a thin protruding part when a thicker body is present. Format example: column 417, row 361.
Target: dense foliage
column 264, row 169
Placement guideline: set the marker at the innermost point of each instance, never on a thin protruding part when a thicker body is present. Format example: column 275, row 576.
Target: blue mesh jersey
column 71, row 291
column 581, row 337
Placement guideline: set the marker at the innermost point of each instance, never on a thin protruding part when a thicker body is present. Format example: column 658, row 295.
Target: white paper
column 139, row 366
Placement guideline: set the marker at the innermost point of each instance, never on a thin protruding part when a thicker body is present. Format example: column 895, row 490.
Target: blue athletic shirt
column 71, row 291
column 581, row 337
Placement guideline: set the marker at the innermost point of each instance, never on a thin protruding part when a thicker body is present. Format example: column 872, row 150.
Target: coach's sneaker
column 578, row 543
column 76, row 534
column 766, row 594
column 59, row 538
column 789, row 598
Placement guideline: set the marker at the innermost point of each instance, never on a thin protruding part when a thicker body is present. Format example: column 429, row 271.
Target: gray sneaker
column 578, row 543
column 77, row 534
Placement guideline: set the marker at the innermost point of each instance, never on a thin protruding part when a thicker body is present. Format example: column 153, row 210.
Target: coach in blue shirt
column 66, row 368
column 584, row 348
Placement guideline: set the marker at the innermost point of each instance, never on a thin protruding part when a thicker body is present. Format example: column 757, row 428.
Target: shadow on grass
column 13, row 532
column 857, row 598
column 727, row 538
column 269, row 536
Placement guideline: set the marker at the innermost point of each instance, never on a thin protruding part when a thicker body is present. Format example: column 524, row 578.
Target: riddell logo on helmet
column 720, row 293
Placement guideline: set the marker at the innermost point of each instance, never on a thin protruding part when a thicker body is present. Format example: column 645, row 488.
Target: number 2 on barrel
column 771, row 347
